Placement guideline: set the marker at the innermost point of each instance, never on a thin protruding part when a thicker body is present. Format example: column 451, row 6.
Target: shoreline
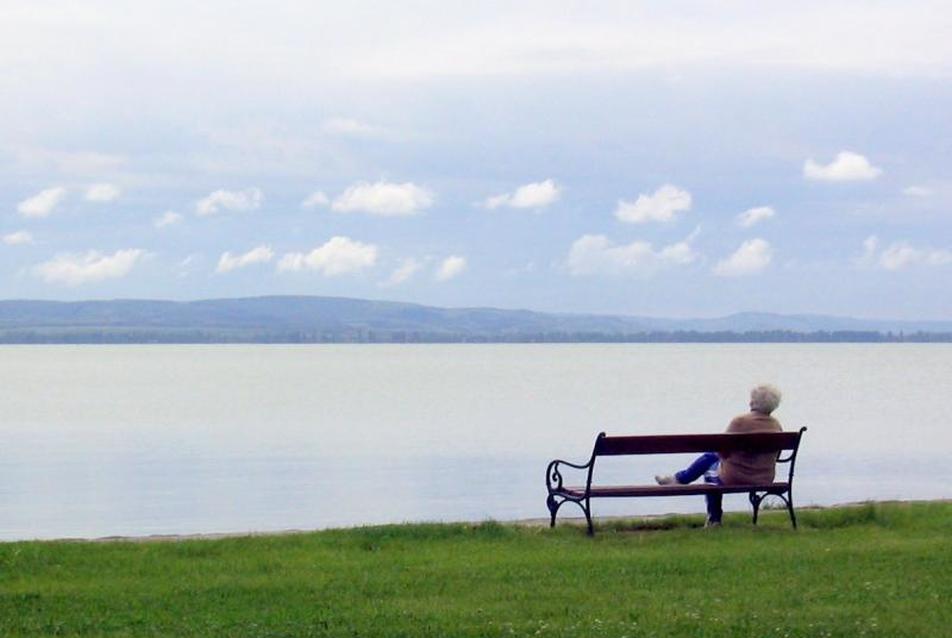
column 578, row 521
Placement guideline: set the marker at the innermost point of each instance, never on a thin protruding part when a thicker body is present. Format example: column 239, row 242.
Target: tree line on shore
column 359, row 335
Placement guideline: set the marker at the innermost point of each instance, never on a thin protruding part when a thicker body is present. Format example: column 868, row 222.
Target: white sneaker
column 665, row 479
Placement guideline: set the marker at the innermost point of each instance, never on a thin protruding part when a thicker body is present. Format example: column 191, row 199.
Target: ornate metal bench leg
column 793, row 515
column 553, row 509
column 755, row 503
column 588, row 517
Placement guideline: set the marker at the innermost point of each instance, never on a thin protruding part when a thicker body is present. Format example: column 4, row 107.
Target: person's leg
column 697, row 469
column 714, row 501
column 714, row 508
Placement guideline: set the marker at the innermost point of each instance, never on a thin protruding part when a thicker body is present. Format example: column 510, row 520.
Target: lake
column 137, row 440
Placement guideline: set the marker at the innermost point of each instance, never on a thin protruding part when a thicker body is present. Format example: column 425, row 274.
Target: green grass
column 872, row 570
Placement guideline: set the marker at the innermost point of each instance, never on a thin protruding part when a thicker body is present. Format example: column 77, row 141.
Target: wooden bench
column 785, row 444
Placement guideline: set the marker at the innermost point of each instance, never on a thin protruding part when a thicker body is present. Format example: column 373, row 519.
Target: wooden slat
column 671, row 490
column 682, row 443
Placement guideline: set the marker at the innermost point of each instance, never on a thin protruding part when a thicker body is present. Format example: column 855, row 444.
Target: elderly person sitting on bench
column 737, row 468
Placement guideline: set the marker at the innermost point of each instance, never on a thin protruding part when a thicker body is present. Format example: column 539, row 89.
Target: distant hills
column 305, row 319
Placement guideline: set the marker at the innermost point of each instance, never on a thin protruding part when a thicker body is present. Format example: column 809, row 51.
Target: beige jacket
column 747, row 468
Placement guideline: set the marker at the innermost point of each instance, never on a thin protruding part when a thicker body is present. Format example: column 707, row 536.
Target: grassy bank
column 873, row 570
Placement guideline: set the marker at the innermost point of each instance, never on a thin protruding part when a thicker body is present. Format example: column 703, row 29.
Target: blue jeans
column 705, row 465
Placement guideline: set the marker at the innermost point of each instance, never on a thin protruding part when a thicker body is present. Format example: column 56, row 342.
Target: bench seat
column 669, row 490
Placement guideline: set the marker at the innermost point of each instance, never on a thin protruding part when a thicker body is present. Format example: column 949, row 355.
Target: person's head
column 764, row 399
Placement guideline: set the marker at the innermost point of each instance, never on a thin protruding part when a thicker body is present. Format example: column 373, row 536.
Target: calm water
column 101, row 440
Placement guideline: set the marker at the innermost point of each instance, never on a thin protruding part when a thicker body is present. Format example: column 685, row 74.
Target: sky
column 677, row 159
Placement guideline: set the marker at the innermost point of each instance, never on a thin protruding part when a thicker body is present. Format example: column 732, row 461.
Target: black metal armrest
column 553, row 476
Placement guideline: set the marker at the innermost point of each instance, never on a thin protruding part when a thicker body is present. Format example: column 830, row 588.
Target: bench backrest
column 682, row 443
column 778, row 442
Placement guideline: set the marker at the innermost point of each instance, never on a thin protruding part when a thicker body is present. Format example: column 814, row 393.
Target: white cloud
column 102, row 193
column 680, row 253
column 76, row 269
column 917, row 191
column 315, row 199
column 752, row 216
column 248, row 199
column 19, row 238
column 846, row 167
column 752, row 257
column 43, row 203
column 525, row 39
column 386, row 199
column 259, row 255
column 361, row 41
column 404, row 272
column 349, row 127
column 85, row 163
column 535, row 195
column 661, row 206
column 338, row 256
column 257, row 148
column 900, row 255
column 168, row 218
column 932, row 257
column 186, row 266
column 451, row 267
column 596, row 254
column 870, row 246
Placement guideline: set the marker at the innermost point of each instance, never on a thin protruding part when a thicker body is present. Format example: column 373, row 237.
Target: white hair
column 764, row 398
